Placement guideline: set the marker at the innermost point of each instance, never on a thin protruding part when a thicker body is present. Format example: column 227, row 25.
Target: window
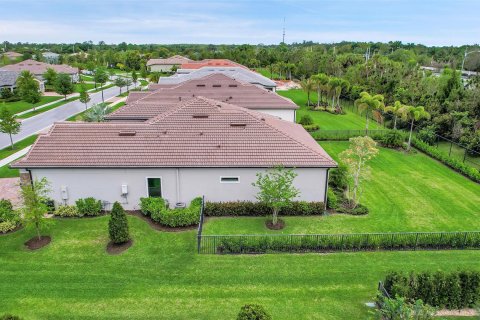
column 154, row 186
column 229, row 179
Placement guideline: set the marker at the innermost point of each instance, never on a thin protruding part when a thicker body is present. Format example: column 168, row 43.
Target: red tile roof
column 211, row 63
column 199, row 133
column 39, row 68
column 145, row 105
column 175, row 60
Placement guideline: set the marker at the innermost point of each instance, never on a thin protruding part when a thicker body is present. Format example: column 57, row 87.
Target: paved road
column 44, row 120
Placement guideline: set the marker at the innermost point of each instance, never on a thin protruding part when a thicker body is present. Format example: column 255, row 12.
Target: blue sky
column 431, row 22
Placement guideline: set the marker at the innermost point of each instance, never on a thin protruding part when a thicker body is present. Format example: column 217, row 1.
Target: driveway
column 46, row 119
column 10, row 189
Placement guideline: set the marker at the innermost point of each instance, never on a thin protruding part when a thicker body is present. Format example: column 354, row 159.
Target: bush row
column 452, row 290
column 89, row 207
column 157, row 209
column 249, row 208
column 344, row 135
column 453, row 163
column 347, row 242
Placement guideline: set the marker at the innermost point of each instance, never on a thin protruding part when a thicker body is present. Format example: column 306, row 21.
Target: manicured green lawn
column 407, row 192
column 6, row 172
column 161, row 276
column 458, row 153
column 87, row 85
column 19, row 106
column 326, row 120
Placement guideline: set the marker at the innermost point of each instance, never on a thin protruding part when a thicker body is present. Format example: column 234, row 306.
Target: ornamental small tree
column 50, row 76
column 8, row 123
column 101, row 77
column 118, row 225
column 84, row 96
column 28, row 88
column 134, row 78
column 63, row 85
column 276, row 189
column 120, row 82
column 35, row 196
column 362, row 149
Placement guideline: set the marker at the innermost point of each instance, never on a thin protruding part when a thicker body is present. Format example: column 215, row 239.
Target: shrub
column 253, row 312
column 6, row 226
column 180, row 217
column 249, row 208
column 67, row 211
column 428, row 135
column 89, row 206
column 306, row 120
column 118, row 225
column 338, row 177
column 359, row 210
column 453, row 163
column 393, row 139
column 6, row 93
column 453, row 290
column 7, row 214
column 399, row 308
column 151, row 205
column 9, row 317
column 311, row 127
column 332, row 201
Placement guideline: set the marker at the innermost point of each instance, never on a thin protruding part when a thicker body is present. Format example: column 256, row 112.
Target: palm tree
column 413, row 114
column 332, row 85
column 396, row 110
column 320, row 80
column 308, row 86
column 369, row 103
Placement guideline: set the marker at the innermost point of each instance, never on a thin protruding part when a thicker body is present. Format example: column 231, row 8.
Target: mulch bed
column 157, row 226
column 113, row 248
column 35, row 243
column 279, row 226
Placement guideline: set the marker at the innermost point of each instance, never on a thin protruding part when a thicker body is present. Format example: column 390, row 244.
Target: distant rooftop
column 38, row 68
column 174, row 60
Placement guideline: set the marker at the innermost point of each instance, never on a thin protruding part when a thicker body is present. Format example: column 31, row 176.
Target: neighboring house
column 209, row 63
column 8, row 79
column 38, row 69
column 166, row 65
column 51, row 57
column 12, row 55
column 144, row 105
column 242, row 74
column 200, row 147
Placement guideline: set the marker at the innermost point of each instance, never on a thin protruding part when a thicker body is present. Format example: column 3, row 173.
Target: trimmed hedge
column 9, row 218
column 179, row 217
column 453, row 163
column 67, row 211
column 249, row 208
column 344, row 135
column 451, row 290
column 339, row 242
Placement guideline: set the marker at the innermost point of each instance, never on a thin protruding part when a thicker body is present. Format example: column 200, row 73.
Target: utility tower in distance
column 283, row 36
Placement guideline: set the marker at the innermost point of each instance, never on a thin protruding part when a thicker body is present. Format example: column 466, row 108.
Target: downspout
column 326, row 192
column 31, row 178
column 178, row 184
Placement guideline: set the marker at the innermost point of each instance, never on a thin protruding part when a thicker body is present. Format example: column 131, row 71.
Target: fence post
column 416, row 242
column 464, row 155
column 464, row 240
column 450, row 152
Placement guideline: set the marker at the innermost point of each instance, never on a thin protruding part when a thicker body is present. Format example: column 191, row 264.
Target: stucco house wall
column 288, row 115
column 178, row 184
column 161, row 67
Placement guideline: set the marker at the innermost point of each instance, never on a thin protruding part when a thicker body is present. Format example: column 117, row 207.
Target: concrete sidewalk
column 14, row 156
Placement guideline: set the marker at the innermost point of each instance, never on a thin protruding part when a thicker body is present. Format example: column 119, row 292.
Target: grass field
column 89, row 86
column 161, row 277
column 326, row 120
column 19, row 106
column 17, row 146
column 407, row 192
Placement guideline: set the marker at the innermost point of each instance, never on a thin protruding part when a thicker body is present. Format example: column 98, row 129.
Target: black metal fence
column 303, row 243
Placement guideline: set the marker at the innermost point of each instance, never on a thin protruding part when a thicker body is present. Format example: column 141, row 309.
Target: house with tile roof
column 12, row 55
column 210, row 63
column 166, row 65
column 38, row 68
column 199, row 147
column 238, row 73
column 144, row 105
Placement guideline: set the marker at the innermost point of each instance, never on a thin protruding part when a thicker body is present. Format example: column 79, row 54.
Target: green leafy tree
column 155, row 76
column 63, row 85
column 134, row 77
column 120, row 82
column 8, row 123
column 101, row 77
column 84, row 96
column 118, row 225
column 396, row 110
column 35, row 196
column 412, row 114
column 276, row 189
column 50, row 76
column 355, row 158
column 143, row 72
column 369, row 103
column 28, row 88
column 128, row 83
column 308, row 85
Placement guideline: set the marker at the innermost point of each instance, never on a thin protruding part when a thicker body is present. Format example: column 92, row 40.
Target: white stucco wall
column 161, row 67
column 288, row 115
column 105, row 184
